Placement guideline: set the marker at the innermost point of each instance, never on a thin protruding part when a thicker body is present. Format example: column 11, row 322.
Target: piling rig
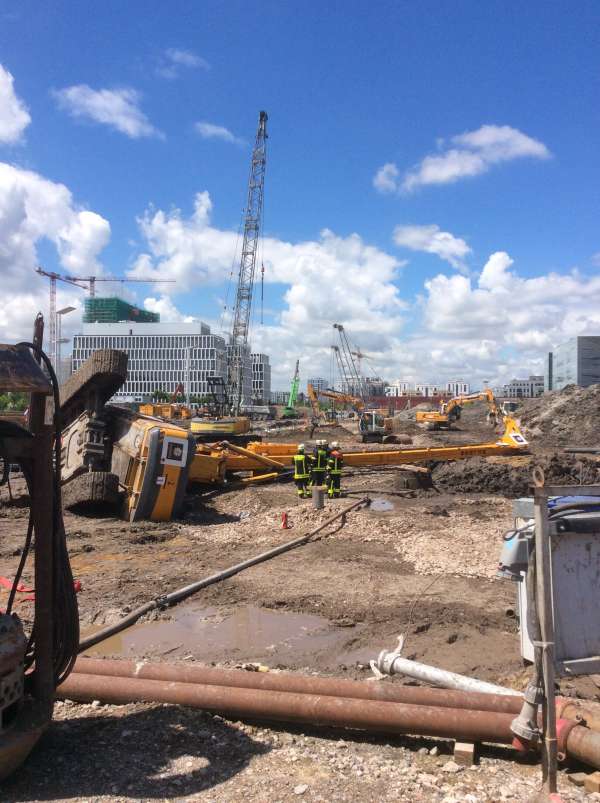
column 36, row 654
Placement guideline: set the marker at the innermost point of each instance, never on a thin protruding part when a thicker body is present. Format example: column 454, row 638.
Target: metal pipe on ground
column 385, row 717
column 390, row 663
column 168, row 600
column 309, row 709
column 299, row 684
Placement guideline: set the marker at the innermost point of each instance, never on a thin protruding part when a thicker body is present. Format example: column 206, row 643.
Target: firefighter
column 301, row 472
column 320, row 456
column 335, row 464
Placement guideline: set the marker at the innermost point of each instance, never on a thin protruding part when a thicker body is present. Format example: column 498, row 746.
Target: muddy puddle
column 247, row 634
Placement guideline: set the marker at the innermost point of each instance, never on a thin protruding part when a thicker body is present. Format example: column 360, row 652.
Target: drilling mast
column 243, row 301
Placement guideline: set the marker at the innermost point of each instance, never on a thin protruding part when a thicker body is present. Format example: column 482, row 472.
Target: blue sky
column 503, row 95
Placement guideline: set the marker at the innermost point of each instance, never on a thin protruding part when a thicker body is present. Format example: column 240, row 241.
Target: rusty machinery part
column 65, row 634
column 173, row 598
column 91, row 491
column 93, row 384
column 12, row 658
column 86, row 436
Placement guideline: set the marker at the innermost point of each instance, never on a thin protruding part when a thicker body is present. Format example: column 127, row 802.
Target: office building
column 427, row 389
column 457, row 387
column 399, row 388
column 113, row 310
column 524, row 388
column 161, row 355
column 261, row 379
column 574, row 362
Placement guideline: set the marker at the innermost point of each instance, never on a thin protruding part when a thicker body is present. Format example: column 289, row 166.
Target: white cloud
column 34, row 209
column 386, row 178
column 468, row 154
column 14, row 117
column 117, row 108
column 330, row 279
column 522, row 317
column 175, row 58
column 492, row 326
column 166, row 309
column 433, row 240
column 212, row 131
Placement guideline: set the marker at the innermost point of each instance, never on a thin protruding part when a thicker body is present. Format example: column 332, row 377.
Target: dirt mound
column 482, row 475
column 563, row 417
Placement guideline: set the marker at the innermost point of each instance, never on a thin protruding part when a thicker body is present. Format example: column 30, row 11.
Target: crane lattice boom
column 243, row 301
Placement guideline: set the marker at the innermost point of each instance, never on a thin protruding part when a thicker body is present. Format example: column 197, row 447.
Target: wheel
column 92, row 491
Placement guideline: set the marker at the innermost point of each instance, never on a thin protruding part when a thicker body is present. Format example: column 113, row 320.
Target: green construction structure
column 113, row 310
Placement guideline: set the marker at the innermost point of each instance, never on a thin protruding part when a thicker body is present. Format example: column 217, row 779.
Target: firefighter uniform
column 334, row 474
column 302, row 473
column 319, row 460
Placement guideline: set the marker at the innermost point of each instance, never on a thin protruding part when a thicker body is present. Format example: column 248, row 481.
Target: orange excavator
column 450, row 411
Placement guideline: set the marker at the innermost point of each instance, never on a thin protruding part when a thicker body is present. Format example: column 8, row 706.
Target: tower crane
column 79, row 281
column 243, row 302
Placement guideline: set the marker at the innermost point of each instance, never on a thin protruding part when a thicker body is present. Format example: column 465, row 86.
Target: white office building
column 524, row 388
column 400, row 388
column 457, row 387
column 261, row 379
column 427, row 389
column 161, row 355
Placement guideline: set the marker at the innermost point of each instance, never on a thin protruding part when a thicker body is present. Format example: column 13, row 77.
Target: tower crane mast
column 243, row 301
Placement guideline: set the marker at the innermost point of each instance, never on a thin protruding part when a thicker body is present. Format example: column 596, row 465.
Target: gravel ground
column 333, row 605
column 98, row 753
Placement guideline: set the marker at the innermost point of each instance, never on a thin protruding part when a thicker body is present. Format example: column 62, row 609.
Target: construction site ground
column 422, row 564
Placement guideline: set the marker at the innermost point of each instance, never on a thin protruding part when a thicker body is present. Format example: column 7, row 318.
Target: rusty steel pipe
column 586, row 711
column 584, row 745
column 309, row 709
column 300, row 684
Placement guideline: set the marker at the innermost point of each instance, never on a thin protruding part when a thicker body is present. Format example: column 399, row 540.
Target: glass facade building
column 574, row 362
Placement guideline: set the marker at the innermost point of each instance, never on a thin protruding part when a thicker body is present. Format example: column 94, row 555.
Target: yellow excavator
column 450, row 411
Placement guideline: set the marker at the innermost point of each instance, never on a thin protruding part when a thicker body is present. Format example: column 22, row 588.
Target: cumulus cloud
column 212, row 131
column 433, row 240
column 491, row 326
column 522, row 317
column 34, row 209
column 332, row 278
column 468, row 154
column 166, row 309
column 386, row 178
column 175, row 58
column 117, row 108
column 14, row 117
